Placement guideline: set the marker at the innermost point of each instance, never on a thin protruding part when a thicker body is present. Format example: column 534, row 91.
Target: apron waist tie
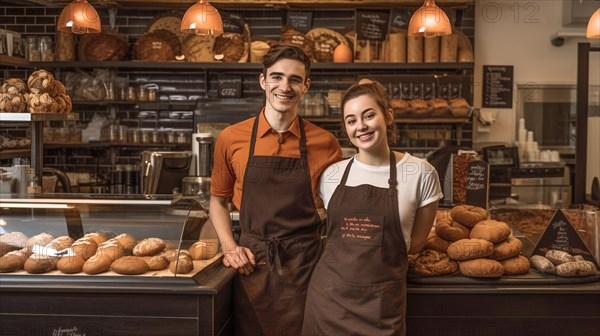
column 274, row 255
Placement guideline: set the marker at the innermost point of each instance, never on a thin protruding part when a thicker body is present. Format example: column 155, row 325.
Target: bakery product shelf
column 38, row 116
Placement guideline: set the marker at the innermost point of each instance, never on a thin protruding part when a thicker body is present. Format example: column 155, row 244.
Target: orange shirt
column 233, row 144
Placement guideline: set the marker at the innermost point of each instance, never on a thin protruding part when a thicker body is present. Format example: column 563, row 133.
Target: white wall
column 509, row 32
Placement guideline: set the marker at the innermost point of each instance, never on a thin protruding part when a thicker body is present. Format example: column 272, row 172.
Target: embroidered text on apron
column 359, row 284
column 279, row 223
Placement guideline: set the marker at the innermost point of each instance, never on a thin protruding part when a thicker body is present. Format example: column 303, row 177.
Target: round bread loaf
column 481, row 268
column 111, row 249
column 298, row 39
column 40, row 263
column 60, row 88
column 229, row 47
column 40, row 103
column 127, row 241
column 508, row 248
column 451, row 230
column 169, row 254
column 41, row 81
column 15, row 240
column 70, row 264
column 13, row 261
column 431, row 263
column 199, row 48
column 468, row 215
column 14, row 86
column 182, row 265
column 204, row 249
column 156, row 263
column 171, row 38
column 154, row 47
column 148, row 247
column 516, row 265
column 97, row 264
column 436, row 243
column 130, row 265
column 466, row 249
column 84, row 247
column 98, row 237
column 41, row 239
column 490, row 230
column 12, row 102
column 60, row 243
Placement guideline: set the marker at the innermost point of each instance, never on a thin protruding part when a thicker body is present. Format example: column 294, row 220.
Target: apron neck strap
column 393, row 180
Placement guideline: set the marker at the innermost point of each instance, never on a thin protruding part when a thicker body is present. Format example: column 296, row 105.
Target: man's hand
column 240, row 258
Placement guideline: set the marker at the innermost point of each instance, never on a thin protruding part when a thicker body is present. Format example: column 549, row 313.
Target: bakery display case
column 182, row 289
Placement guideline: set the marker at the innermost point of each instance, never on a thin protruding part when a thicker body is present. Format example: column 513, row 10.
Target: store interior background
column 503, row 38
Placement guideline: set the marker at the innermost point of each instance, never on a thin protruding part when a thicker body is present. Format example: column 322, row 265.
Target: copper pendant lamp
column 593, row 28
column 202, row 19
column 429, row 21
column 79, row 17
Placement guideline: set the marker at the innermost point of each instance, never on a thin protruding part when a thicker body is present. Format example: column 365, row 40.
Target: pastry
column 490, row 230
column 13, row 261
column 481, row 268
column 98, row 263
column 70, row 264
column 40, row 263
column 468, row 215
column 451, row 230
column 129, row 265
column 466, row 249
column 515, row 265
column 542, row 264
column 430, row 263
column 149, row 246
column 156, row 263
column 508, row 248
column 436, row 243
column 204, row 250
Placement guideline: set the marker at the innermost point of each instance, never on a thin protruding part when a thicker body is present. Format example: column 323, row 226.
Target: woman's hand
column 239, row 258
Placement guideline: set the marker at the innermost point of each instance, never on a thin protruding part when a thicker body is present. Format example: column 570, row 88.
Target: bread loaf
column 149, row 247
column 576, row 269
column 291, row 36
column 542, row 264
column 481, row 268
column 41, row 239
column 182, row 265
column 40, row 263
column 199, row 48
column 98, row 263
column 70, row 264
column 507, row 249
column 397, row 47
column 41, row 81
column 558, row 257
column 451, row 230
column 12, row 102
column 229, row 47
column 515, row 265
column 130, row 265
column 436, row 243
column 127, row 241
column 154, row 47
column 13, row 261
column 490, row 230
column 84, row 247
column 204, row 250
column 110, row 249
column 40, row 103
column 466, row 249
column 156, row 263
column 14, row 86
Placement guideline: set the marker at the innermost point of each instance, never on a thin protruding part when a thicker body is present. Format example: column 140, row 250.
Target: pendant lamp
column 202, row 19
column 429, row 21
column 79, row 17
column 593, row 28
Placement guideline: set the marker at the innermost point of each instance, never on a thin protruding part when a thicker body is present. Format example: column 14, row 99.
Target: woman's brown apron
column 359, row 284
column 279, row 223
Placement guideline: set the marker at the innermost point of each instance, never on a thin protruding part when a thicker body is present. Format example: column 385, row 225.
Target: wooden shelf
column 7, row 154
column 14, row 61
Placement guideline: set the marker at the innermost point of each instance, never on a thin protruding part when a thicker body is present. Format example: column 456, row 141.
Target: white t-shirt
column 418, row 185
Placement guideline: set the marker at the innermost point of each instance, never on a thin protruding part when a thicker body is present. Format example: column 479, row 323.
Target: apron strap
column 253, row 138
column 393, row 181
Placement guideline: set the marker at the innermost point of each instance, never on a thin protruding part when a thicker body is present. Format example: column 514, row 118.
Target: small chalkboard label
column 232, row 22
column 478, row 179
column 498, row 86
column 372, row 24
column 561, row 235
column 399, row 19
column 301, row 21
column 229, row 86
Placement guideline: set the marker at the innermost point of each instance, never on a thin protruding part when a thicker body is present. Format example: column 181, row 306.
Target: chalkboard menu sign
column 301, row 21
column 561, row 235
column 372, row 24
column 498, row 86
column 478, row 180
column 232, row 22
column 229, row 86
column 399, row 18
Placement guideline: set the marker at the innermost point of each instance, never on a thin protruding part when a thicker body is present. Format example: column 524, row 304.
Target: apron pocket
column 359, row 229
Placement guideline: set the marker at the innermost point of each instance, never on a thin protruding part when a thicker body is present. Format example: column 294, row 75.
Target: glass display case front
column 136, row 240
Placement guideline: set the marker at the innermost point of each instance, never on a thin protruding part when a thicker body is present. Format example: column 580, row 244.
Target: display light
column 593, row 27
column 79, row 17
column 429, row 21
column 202, row 19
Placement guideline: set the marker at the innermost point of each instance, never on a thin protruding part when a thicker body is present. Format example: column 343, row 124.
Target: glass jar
column 33, row 49
column 46, row 52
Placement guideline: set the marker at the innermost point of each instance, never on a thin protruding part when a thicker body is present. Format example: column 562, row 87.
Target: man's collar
column 264, row 127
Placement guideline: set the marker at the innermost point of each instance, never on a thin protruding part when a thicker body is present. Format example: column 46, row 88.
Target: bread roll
column 542, row 264
column 468, row 215
column 436, row 243
column 98, row 237
column 41, row 239
column 481, row 268
column 156, row 263
column 98, row 263
column 507, row 248
column 466, row 249
column 558, row 257
column 70, row 264
column 515, row 265
column 490, row 230
column 13, row 261
column 130, row 265
column 40, row 263
column 451, row 230
column 576, row 269
column 204, row 250
column 84, row 247
column 148, row 247
column 182, row 265
column 127, row 241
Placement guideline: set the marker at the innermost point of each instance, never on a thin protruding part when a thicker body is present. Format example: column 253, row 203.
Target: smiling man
column 269, row 167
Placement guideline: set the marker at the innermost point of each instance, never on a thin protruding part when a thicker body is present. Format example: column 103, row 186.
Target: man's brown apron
column 279, row 223
column 359, row 284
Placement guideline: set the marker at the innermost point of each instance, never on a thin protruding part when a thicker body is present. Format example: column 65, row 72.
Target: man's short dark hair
column 285, row 51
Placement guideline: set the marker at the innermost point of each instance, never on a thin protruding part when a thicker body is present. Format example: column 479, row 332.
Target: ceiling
column 231, row 4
